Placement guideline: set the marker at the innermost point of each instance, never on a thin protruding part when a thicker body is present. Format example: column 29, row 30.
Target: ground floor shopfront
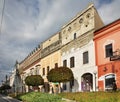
column 83, row 82
column 108, row 74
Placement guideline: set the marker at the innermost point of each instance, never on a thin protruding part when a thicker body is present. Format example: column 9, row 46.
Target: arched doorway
column 87, row 82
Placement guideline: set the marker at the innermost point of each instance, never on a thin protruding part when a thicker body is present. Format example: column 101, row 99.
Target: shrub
column 61, row 74
column 40, row 97
column 34, row 80
column 5, row 87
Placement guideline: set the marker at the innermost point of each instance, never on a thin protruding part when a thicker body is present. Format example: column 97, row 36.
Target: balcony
column 116, row 55
column 51, row 48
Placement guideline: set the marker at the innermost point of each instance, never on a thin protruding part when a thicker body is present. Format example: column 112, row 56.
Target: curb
column 13, row 99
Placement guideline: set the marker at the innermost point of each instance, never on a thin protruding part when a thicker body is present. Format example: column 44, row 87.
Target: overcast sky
column 26, row 23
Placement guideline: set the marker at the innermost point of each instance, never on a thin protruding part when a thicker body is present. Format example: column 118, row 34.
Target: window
column 108, row 50
column 71, row 83
column 43, row 71
column 31, row 71
column 109, row 79
column 56, row 65
column 88, row 15
column 65, row 63
column 64, row 86
column 72, row 62
column 85, row 57
column 48, row 69
column 69, row 29
column 74, row 35
column 81, row 20
column 37, row 69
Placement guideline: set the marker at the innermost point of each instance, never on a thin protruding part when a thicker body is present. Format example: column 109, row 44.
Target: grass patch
column 93, row 96
column 78, row 97
column 39, row 97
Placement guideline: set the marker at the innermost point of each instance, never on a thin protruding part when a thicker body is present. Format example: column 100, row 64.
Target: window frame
column 56, row 65
column 85, row 57
column 72, row 62
column 48, row 69
column 43, row 71
column 65, row 63
column 75, row 36
column 108, row 50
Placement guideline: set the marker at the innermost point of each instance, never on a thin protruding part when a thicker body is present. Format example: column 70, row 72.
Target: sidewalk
column 13, row 99
column 9, row 99
column 67, row 100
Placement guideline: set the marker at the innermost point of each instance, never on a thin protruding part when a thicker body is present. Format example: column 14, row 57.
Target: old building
column 50, row 56
column 30, row 66
column 107, row 50
column 72, row 46
column 15, row 80
column 78, row 49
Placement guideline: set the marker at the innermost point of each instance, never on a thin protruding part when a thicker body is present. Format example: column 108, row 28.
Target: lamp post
column 95, row 72
column 16, row 77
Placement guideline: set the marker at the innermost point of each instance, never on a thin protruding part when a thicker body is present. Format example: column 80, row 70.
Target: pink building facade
column 107, row 51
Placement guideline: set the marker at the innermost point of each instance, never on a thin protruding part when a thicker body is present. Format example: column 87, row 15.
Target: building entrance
column 87, row 82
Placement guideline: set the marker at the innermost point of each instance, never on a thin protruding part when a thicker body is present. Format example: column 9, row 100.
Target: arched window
column 81, row 20
column 74, row 35
column 88, row 15
column 109, row 79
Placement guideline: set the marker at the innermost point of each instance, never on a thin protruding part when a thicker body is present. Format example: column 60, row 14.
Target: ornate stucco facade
column 76, row 42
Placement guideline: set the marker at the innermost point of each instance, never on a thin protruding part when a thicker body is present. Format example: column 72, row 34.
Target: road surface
column 7, row 99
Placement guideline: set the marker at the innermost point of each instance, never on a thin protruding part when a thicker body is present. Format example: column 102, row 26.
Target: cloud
column 110, row 11
column 26, row 23
column 57, row 14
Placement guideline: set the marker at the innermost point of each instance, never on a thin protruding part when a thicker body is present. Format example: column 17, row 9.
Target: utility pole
column 2, row 16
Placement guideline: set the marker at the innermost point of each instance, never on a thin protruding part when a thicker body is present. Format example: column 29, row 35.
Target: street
column 7, row 99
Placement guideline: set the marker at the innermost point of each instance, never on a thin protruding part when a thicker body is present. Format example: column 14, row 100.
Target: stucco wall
column 80, row 68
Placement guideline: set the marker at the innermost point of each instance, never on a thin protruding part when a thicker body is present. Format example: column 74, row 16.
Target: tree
column 34, row 80
column 5, row 88
column 61, row 74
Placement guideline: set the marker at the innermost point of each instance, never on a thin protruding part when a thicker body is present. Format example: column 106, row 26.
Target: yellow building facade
column 50, row 54
column 49, row 62
column 50, row 57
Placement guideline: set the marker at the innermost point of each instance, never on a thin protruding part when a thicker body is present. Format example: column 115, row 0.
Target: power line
column 2, row 16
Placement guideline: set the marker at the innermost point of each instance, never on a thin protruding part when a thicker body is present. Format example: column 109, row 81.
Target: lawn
column 78, row 97
column 93, row 96
column 39, row 97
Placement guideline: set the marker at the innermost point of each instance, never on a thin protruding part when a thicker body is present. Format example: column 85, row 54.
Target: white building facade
column 78, row 51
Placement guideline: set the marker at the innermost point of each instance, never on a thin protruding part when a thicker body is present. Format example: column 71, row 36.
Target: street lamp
column 95, row 72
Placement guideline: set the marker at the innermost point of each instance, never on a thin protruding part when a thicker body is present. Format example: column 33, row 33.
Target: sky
column 27, row 23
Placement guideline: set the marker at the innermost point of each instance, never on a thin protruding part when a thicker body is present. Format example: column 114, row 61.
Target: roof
column 107, row 26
